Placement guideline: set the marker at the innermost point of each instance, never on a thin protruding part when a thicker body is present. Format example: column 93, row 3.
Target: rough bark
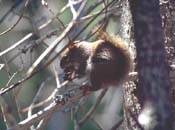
column 154, row 84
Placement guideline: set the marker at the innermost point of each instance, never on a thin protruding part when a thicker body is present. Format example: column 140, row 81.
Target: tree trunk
column 154, row 84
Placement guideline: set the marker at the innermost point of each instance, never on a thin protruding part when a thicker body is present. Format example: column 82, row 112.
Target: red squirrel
column 105, row 62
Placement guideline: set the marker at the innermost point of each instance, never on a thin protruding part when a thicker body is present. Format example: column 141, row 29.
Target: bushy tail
column 114, row 39
column 118, row 42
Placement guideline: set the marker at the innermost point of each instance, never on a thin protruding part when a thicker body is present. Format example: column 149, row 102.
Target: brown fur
column 109, row 58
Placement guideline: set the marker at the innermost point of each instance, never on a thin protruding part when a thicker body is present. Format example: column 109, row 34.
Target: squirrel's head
column 74, row 57
column 76, row 53
column 69, row 55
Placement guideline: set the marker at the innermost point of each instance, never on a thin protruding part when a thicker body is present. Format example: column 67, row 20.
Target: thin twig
column 56, row 16
column 56, row 77
column 55, row 43
column 92, row 7
column 41, row 125
column 15, row 4
column 17, row 104
column 2, row 66
column 43, row 114
column 47, row 99
column 8, row 117
column 96, row 123
column 20, row 17
column 16, row 44
column 75, row 37
column 39, row 92
column 117, row 125
column 75, row 121
column 71, row 6
column 51, row 20
column 31, row 34
column 11, row 78
column 7, row 68
column 14, row 97
column 35, row 43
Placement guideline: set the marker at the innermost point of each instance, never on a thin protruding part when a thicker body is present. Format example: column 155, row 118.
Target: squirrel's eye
column 63, row 61
column 100, row 61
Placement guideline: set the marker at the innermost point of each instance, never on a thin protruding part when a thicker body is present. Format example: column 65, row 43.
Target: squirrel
column 106, row 62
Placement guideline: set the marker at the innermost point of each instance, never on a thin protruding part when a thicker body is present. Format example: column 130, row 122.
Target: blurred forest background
column 29, row 27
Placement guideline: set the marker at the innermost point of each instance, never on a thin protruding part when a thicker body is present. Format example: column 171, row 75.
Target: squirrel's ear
column 72, row 44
